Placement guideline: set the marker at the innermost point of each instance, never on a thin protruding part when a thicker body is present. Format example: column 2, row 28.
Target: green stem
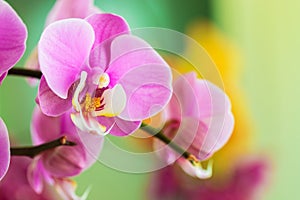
column 25, row 72
column 35, row 150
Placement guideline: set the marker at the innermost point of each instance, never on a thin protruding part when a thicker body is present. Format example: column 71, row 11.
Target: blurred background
column 254, row 44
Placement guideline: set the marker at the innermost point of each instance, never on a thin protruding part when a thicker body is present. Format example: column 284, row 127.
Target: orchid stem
column 35, row 150
column 161, row 136
column 25, row 72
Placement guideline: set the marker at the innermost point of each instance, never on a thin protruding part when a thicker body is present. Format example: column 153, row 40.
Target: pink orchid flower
column 13, row 35
column 199, row 119
column 15, row 185
column 5, row 149
column 112, row 79
column 63, row 161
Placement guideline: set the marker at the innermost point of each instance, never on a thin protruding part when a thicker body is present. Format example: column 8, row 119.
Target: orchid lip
column 101, row 101
column 194, row 168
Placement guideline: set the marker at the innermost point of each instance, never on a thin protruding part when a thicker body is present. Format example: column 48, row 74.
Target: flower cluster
column 97, row 78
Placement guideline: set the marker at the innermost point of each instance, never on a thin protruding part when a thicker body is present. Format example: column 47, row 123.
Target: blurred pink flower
column 5, row 149
column 199, row 119
column 113, row 79
column 169, row 183
column 15, row 185
column 13, row 35
column 63, row 161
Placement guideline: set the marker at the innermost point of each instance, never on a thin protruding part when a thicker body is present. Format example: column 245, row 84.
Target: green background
column 266, row 33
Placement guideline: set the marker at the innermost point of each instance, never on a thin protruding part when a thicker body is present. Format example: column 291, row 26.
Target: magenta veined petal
column 5, row 149
column 63, row 49
column 13, row 35
column 144, row 75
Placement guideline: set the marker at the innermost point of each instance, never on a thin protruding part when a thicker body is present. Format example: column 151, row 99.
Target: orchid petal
column 64, row 161
column 35, row 174
column 219, row 130
column 50, row 103
column 197, row 98
column 66, row 190
column 107, row 26
column 119, row 127
column 64, row 9
column 92, row 145
column 5, row 149
column 13, row 35
column 89, row 144
column 15, row 184
column 144, row 75
column 184, row 102
column 44, row 128
column 63, row 48
column 197, row 170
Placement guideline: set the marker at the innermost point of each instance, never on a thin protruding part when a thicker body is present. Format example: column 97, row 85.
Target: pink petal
column 212, row 100
column 90, row 145
column 44, row 128
column 184, row 101
column 5, row 149
column 63, row 48
column 211, row 106
column 35, row 174
column 13, row 35
column 64, row 161
column 15, row 184
column 50, row 103
column 204, row 111
column 143, row 74
column 120, row 127
column 220, row 128
column 64, row 9
column 197, row 98
column 107, row 26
